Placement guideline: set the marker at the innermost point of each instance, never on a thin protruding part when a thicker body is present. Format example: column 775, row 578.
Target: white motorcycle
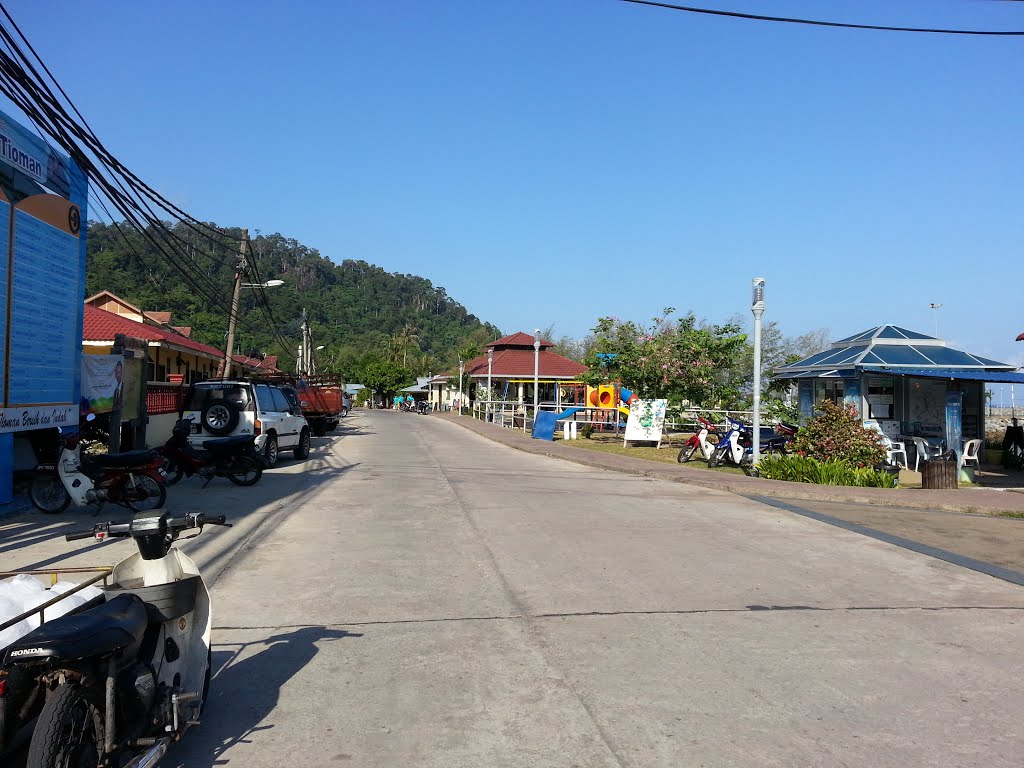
column 699, row 441
column 125, row 679
column 133, row 479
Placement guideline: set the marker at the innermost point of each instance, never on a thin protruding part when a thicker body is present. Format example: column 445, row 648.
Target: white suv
column 238, row 407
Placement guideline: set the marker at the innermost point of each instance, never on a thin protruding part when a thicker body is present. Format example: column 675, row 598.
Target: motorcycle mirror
column 90, row 417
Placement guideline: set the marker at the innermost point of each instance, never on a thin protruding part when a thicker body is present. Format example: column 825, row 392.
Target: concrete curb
column 967, row 501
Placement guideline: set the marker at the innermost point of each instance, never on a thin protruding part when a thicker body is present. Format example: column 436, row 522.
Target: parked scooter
column 699, row 441
column 123, row 680
column 737, row 445
column 235, row 458
column 131, row 478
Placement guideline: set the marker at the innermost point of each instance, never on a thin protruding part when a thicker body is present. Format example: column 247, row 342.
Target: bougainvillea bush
column 837, row 434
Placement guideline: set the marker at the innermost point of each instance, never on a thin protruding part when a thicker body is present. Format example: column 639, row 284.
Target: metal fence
column 162, row 397
column 679, row 420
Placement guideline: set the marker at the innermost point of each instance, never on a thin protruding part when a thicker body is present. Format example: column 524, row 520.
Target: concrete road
column 425, row 597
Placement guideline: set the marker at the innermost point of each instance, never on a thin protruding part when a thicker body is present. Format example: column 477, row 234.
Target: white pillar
column 757, row 307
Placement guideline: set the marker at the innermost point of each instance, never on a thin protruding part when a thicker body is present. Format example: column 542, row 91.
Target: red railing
column 163, row 398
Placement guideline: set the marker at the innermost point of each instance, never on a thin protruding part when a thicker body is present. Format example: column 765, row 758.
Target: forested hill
column 357, row 310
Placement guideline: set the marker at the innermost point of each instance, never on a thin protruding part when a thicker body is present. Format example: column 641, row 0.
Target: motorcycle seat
column 227, row 443
column 126, row 459
column 116, row 624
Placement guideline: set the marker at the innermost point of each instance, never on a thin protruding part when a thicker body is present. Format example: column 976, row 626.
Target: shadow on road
column 245, row 690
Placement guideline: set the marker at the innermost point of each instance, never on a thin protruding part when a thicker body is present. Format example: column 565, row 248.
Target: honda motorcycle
column 120, row 682
column 737, row 445
column 132, row 479
column 236, row 458
column 699, row 441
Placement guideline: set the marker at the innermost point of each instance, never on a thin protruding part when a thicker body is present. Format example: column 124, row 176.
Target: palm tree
column 409, row 336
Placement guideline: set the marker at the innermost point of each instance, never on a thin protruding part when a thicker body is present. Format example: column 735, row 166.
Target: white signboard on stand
column 646, row 421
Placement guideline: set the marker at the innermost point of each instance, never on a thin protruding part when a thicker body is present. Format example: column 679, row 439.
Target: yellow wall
column 168, row 359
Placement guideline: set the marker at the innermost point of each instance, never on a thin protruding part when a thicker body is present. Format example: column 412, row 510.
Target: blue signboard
column 954, row 423
column 42, row 282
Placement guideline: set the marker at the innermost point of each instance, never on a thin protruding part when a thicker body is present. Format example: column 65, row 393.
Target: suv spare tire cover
column 220, row 417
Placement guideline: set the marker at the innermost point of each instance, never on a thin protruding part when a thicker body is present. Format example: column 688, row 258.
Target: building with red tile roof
column 511, row 369
column 171, row 353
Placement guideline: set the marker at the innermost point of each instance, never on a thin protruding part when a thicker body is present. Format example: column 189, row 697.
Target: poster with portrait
column 646, row 421
column 103, row 385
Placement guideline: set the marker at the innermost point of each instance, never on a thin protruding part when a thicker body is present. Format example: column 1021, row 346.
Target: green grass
column 666, row 454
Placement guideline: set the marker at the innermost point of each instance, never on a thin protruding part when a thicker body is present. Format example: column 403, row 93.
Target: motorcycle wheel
column 716, row 457
column 48, row 494
column 250, row 473
column 147, row 494
column 69, row 730
column 172, row 472
column 686, row 453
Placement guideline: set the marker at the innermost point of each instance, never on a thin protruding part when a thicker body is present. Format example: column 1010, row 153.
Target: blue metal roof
column 886, row 332
column 992, row 377
column 893, row 349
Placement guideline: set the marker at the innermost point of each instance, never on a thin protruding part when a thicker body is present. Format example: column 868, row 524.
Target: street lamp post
column 490, row 363
column 462, row 368
column 936, row 307
column 757, row 307
column 536, row 371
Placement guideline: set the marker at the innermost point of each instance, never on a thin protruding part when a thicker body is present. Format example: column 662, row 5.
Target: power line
column 126, row 192
column 816, row 23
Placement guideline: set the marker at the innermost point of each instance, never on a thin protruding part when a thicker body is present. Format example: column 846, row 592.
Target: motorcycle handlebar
column 122, row 530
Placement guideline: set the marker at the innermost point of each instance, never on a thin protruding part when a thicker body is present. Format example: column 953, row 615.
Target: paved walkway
column 972, row 500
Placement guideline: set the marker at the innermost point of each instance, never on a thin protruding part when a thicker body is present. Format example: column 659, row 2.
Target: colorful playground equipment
column 605, row 397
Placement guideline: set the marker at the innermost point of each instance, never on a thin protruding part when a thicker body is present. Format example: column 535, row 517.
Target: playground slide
column 624, row 411
column 567, row 413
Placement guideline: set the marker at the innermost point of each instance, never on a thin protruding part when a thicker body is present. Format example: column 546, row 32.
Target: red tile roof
column 269, row 363
column 100, row 325
column 519, row 363
column 160, row 318
column 518, row 339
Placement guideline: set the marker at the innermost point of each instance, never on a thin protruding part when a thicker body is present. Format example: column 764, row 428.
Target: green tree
column 678, row 359
column 385, row 377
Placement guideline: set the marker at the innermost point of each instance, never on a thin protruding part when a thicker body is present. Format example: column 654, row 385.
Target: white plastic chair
column 971, row 448
column 923, row 450
column 892, row 450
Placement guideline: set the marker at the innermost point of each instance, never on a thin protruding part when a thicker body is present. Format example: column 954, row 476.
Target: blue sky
column 552, row 161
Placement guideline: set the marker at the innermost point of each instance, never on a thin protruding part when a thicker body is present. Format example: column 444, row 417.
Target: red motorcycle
column 132, row 479
column 235, row 458
column 699, row 441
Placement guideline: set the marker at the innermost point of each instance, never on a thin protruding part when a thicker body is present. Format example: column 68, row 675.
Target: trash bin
column 939, row 474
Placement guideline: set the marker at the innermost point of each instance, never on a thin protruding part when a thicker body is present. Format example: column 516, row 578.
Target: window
column 265, row 397
column 827, row 389
column 280, row 401
column 881, row 397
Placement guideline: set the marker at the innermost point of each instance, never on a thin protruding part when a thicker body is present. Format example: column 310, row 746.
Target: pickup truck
column 321, row 399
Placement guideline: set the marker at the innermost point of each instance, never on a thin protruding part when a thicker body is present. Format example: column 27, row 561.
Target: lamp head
column 757, row 299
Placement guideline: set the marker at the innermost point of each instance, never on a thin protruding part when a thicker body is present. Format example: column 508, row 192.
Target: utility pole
column 225, row 367
column 306, row 366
